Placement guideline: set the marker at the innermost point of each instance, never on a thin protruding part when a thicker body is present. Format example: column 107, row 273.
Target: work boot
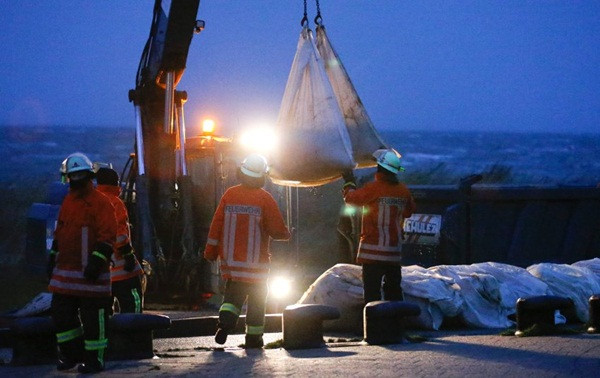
column 93, row 362
column 65, row 364
column 221, row 336
column 254, row 342
column 70, row 353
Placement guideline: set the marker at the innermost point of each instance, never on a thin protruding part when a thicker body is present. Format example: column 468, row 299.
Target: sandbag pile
column 481, row 295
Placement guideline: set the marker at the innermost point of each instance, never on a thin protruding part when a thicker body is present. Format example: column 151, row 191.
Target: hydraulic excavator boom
column 158, row 186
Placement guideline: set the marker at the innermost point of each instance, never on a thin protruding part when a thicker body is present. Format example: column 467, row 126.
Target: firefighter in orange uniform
column 79, row 269
column 126, row 271
column 386, row 203
column 246, row 219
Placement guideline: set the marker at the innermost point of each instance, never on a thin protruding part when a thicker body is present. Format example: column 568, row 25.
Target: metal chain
column 304, row 21
column 318, row 18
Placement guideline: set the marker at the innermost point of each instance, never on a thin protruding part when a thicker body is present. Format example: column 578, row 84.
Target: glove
column 97, row 261
column 94, row 268
column 129, row 257
column 52, row 259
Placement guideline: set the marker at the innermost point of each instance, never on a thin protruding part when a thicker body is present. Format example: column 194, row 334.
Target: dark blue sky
column 493, row 65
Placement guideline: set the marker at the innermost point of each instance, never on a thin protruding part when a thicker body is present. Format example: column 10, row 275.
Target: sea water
column 521, row 158
column 431, row 157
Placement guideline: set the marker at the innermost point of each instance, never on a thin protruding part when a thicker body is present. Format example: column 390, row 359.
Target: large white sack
column 339, row 286
column 363, row 136
column 430, row 318
column 314, row 145
column 577, row 283
column 437, row 295
column 515, row 282
column 482, row 305
column 593, row 265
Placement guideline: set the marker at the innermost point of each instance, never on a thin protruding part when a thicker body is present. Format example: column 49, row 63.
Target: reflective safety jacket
column 240, row 233
column 117, row 271
column 85, row 220
column 385, row 205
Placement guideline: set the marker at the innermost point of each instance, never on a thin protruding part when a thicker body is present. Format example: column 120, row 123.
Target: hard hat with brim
column 76, row 162
column 388, row 160
column 255, row 165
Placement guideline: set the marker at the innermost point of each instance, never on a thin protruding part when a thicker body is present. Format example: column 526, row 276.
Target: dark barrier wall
column 514, row 225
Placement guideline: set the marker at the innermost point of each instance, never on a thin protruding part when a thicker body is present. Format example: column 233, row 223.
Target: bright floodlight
column 280, row 287
column 261, row 139
column 208, row 126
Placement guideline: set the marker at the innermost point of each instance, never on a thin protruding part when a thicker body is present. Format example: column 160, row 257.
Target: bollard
column 130, row 335
column 594, row 323
column 539, row 310
column 384, row 321
column 302, row 325
column 33, row 341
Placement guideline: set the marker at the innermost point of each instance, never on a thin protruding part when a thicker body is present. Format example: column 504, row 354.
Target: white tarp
column 570, row 281
column 437, row 296
column 314, row 146
column 363, row 136
column 593, row 265
column 490, row 291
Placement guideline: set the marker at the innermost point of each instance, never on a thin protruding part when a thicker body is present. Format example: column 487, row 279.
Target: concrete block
column 539, row 310
column 302, row 325
column 384, row 321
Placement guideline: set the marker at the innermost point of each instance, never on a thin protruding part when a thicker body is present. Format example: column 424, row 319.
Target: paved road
column 448, row 354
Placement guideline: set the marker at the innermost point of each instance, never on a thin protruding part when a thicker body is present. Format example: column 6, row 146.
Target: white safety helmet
column 389, row 160
column 255, row 165
column 76, row 162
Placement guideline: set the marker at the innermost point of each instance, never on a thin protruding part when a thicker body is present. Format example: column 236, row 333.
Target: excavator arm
column 158, row 188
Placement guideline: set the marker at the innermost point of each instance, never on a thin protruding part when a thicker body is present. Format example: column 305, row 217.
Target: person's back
column 387, row 203
column 247, row 219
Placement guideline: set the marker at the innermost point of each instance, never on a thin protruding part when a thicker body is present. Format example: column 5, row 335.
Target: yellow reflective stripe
column 98, row 254
column 96, row 344
column 255, row 330
column 101, row 355
column 69, row 335
column 137, row 300
column 230, row 307
column 101, row 333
